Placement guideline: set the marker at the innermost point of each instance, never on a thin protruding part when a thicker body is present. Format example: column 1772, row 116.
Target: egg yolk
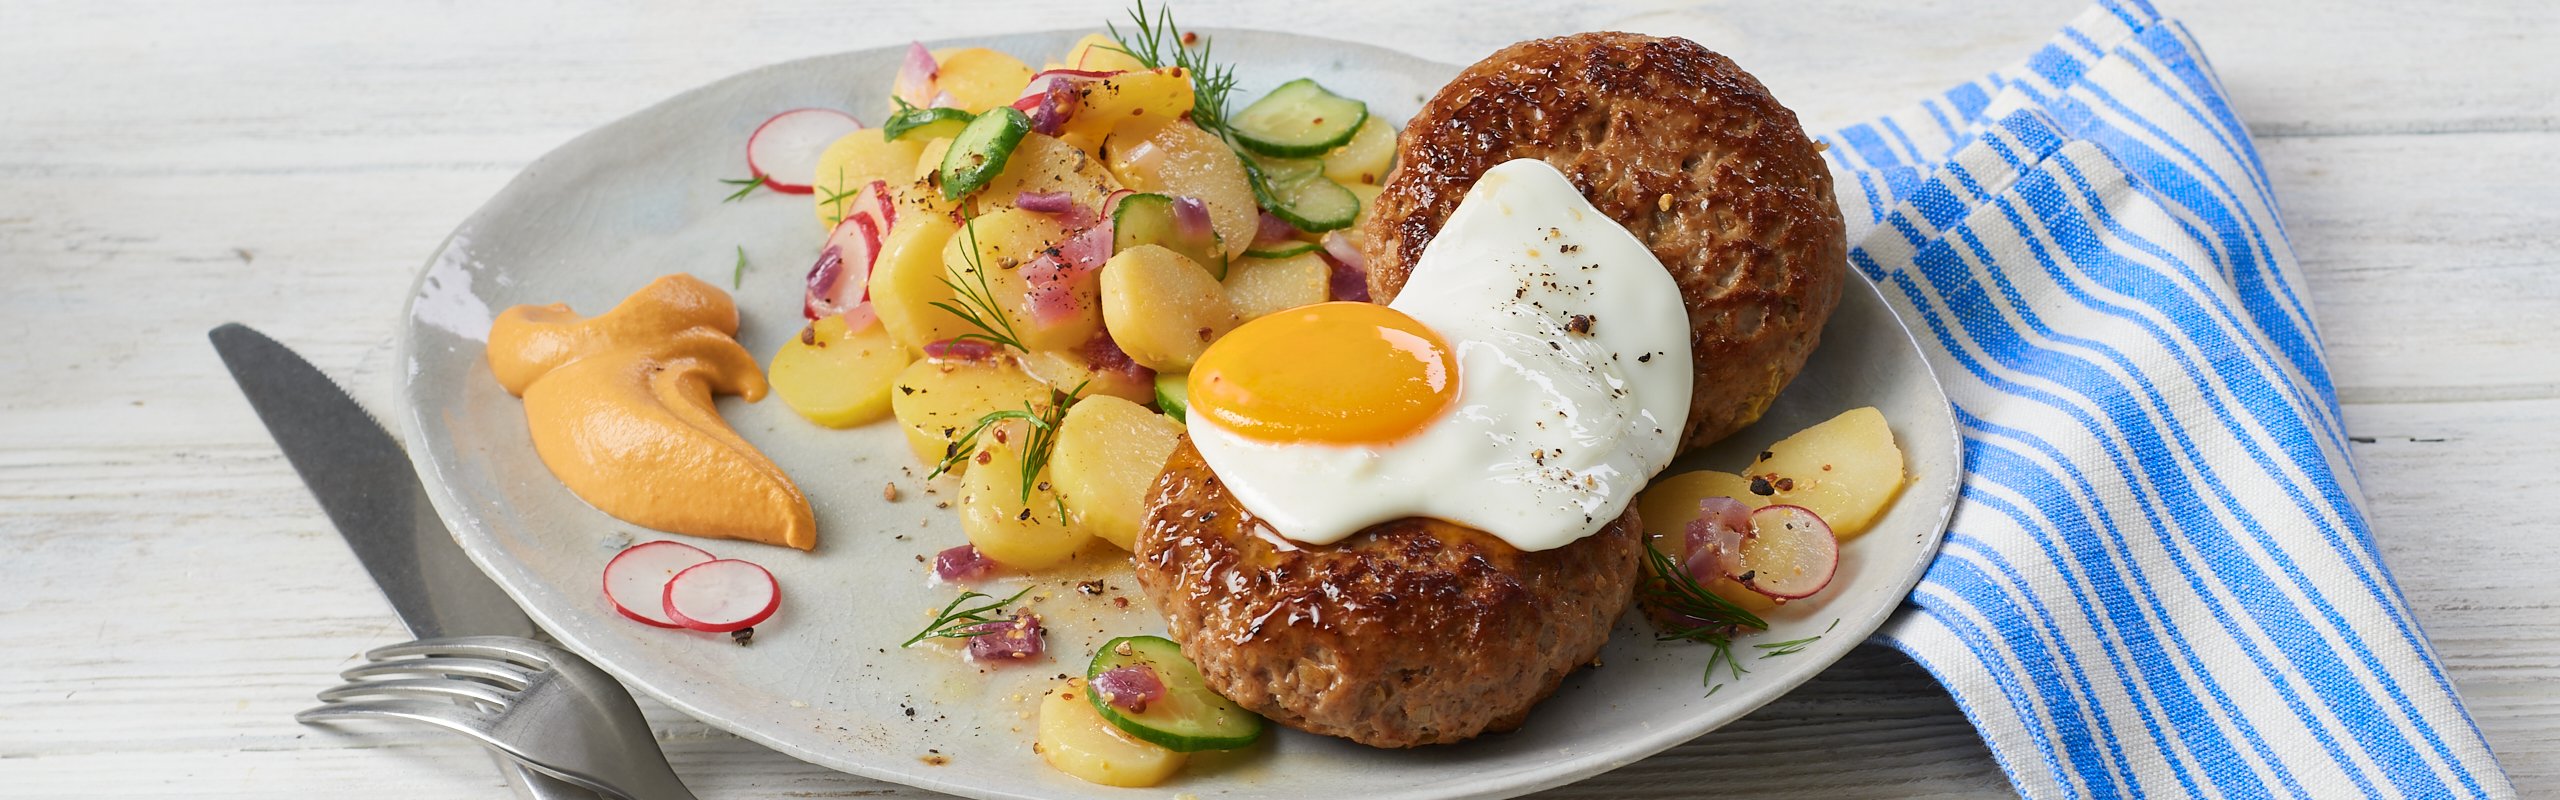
column 1338, row 373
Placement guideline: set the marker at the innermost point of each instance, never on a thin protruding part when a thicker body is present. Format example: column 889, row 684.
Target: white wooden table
column 169, row 595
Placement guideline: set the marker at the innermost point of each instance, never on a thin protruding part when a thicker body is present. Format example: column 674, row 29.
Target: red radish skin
column 1791, row 553
column 721, row 596
column 916, row 76
column 784, row 150
column 635, row 581
column 840, row 281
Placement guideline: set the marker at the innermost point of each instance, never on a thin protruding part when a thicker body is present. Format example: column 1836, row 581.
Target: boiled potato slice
column 1076, row 740
column 1180, row 159
column 1065, row 370
column 1846, row 470
column 938, row 401
column 981, row 78
column 1018, row 528
column 1363, row 160
column 1005, row 240
column 1109, row 452
column 906, row 280
column 1259, row 286
column 1099, row 53
column 1668, row 506
column 1133, row 100
column 838, row 377
column 929, row 163
column 855, row 161
column 1162, row 308
column 1046, row 164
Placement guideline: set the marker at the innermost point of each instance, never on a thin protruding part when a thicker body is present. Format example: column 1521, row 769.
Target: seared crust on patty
column 1681, row 147
column 1409, row 633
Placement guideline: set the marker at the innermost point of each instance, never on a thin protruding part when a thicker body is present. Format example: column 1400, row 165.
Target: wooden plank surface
column 169, row 595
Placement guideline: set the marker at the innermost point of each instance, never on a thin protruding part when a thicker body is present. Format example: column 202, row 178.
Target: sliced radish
column 785, row 149
column 721, row 596
column 636, row 579
column 1790, row 554
column 841, row 279
column 916, row 77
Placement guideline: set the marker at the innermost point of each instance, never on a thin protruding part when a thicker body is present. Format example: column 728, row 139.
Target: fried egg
column 1530, row 379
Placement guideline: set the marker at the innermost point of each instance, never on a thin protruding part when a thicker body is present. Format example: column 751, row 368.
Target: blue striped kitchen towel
column 2159, row 582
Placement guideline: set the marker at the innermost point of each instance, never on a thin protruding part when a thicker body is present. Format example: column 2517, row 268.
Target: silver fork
column 535, row 703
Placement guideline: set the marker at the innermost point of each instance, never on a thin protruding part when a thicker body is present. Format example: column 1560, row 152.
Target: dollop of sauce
column 621, row 410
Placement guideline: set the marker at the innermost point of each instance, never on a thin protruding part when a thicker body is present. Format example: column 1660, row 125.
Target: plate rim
column 1550, row 774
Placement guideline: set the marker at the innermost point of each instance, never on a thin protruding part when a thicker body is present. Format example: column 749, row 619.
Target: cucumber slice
column 1173, row 395
column 1299, row 119
column 1296, row 191
column 978, row 154
column 1144, row 219
column 925, row 123
column 1190, row 717
column 1284, row 250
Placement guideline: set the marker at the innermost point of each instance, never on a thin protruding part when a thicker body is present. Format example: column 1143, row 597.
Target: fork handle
column 531, row 785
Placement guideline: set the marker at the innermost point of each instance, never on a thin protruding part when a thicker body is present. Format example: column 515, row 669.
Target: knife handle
column 531, row 785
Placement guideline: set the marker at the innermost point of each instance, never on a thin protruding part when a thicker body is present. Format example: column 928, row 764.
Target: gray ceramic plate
column 825, row 680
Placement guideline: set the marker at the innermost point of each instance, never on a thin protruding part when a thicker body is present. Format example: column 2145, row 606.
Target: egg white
column 1557, row 424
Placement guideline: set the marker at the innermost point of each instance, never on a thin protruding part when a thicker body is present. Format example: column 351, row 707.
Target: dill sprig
column 739, row 274
column 836, row 197
column 1723, row 654
column 1038, row 443
column 1156, row 42
column 1671, row 589
column 1668, row 587
column 955, row 622
column 977, row 304
column 1793, row 646
column 745, row 186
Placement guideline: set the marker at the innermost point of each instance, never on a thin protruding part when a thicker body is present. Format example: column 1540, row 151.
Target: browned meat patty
column 1674, row 142
column 1409, row 633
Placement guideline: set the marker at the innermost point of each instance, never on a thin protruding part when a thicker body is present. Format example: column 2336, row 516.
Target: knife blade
column 365, row 483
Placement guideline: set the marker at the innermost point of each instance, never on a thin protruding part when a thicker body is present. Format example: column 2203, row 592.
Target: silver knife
column 371, row 493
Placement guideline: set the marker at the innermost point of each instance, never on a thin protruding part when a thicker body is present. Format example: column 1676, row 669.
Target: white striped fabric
column 2159, row 582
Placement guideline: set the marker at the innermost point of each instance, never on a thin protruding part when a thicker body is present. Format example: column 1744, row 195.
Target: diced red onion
column 1044, row 202
column 917, row 75
column 1191, row 218
column 1053, row 103
column 1714, row 539
column 944, row 99
column 1103, row 354
column 960, row 350
column 1345, row 251
column 1129, row 688
column 1057, row 288
column 963, row 563
column 1089, row 247
column 1350, row 269
column 1017, row 638
column 1273, row 230
column 1041, row 83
